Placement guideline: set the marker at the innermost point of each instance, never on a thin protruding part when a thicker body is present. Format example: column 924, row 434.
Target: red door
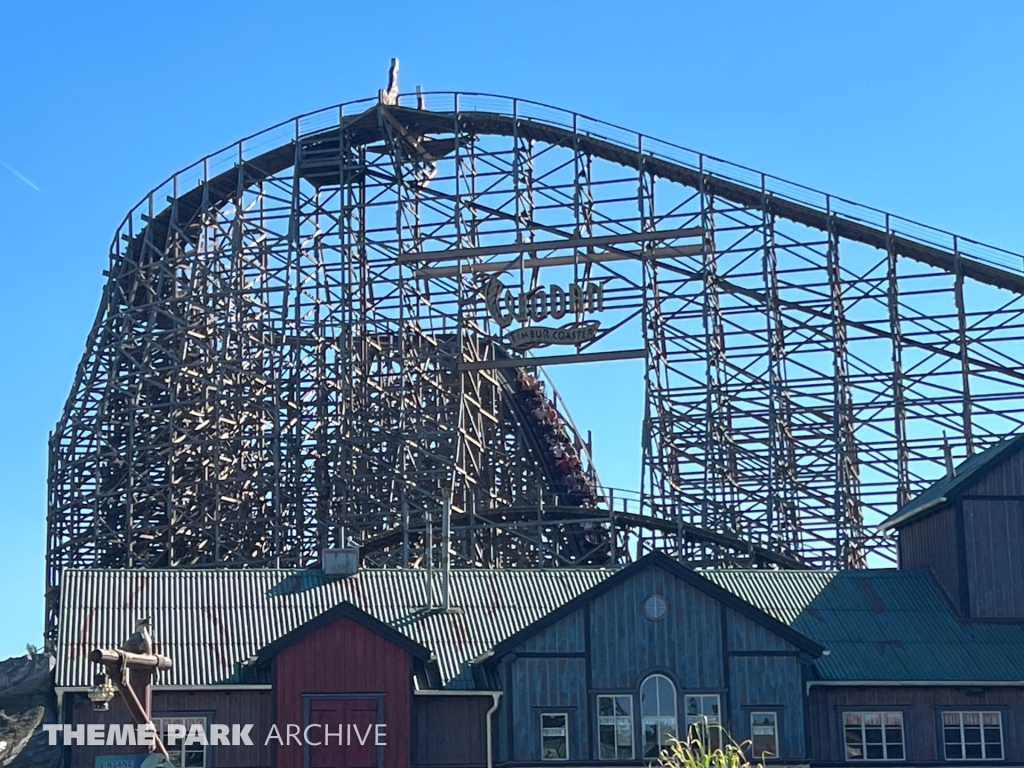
column 355, row 719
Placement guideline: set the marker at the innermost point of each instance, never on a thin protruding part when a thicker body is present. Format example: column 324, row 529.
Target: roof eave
column 904, row 517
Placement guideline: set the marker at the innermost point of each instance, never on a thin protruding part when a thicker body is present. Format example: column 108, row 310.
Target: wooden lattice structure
column 294, row 346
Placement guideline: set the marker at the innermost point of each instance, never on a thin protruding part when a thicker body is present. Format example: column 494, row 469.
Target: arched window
column 657, row 713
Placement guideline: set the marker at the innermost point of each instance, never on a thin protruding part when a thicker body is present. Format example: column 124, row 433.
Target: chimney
column 341, row 561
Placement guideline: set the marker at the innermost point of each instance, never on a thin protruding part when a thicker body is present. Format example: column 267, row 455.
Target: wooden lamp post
column 132, row 676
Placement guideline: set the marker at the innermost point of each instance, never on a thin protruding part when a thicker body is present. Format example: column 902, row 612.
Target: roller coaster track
column 366, row 128
column 292, row 347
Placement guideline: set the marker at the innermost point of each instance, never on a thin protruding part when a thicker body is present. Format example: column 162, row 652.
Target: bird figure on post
column 141, row 640
column 389, row 97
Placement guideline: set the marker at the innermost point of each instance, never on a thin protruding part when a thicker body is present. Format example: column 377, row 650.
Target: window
column 873, row 735
column 972, row 735
column 704, row 719
column 655, row 607
column 182, row 755
column 657, row 713
column 764, row 734
column 615, row 727
column 554, row 736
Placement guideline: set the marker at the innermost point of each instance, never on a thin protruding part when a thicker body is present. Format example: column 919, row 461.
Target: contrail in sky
column 5, row 165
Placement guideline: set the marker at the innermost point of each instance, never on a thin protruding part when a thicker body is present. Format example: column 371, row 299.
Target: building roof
column 876, row 625
column 212, row 621
column 882, row 625
column 948, row 488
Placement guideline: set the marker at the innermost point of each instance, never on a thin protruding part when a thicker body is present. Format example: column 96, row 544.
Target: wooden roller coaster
column 294, row 349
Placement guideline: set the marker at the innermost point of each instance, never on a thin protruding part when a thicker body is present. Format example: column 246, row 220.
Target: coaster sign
column 540, row 304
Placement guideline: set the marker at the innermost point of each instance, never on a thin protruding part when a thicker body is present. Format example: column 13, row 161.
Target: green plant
column 695, row 752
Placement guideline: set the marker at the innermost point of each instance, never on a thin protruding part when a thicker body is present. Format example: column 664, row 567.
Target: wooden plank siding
column 345, row 657
column 226, row 706
column 565, row 636
column 922, row 707
column 549, row 685
column 449, row 731
column 974, row 544
column 994, row 540
column 1004, row 479
column 747, row 635
column 687, row 643
column 609, row 646
column 772, row 684
column 930, row 544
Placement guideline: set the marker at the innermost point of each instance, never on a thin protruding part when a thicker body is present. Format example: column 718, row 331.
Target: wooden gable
column 704, row 639
column 345, row 667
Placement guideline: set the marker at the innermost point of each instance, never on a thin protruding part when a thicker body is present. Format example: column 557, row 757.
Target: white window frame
column 179, row 751
column 658, row 720
column 545, row 731
column 708, row 726
column 774, row 726
column 863, row 736
column 614, row 721
column 981, row 728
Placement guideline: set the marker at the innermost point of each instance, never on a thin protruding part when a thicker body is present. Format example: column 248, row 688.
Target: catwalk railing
column 462, row 102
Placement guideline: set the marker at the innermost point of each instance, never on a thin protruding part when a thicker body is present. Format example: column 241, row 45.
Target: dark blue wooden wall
column 929, row 543
column 994, row 544
column 609, row 646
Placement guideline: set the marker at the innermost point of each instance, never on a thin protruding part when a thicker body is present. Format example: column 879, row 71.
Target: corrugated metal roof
column 878, row 625
column 965, row 473
column 882, row 625
column 780, row 594
column 211, row 621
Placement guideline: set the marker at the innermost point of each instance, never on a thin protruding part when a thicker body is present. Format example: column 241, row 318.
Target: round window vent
column 655, row 607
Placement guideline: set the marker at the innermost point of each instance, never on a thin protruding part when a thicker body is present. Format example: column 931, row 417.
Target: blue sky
column 911, row 107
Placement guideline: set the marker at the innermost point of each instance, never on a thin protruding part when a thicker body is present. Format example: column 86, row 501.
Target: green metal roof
column 964, row 474
column 882, row 625
column 877, row 625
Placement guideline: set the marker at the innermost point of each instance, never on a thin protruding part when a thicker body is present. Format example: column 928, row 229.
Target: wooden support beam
column 584, row 357
column 667, row 252
column 131, row 660
column 550, row 245
column 136, row 709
